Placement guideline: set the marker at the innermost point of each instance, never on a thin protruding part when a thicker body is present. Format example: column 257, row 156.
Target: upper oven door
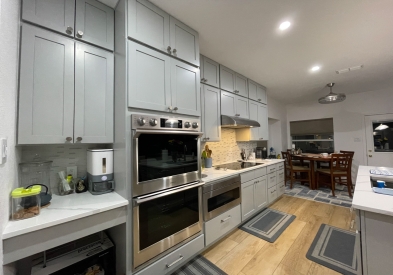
column 164, row 159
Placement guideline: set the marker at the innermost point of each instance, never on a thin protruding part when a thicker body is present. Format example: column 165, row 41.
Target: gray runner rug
column 199, row 266
column 335, row 248
column 268, row 225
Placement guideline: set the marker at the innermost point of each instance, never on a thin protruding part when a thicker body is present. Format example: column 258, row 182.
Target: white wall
column 348, row 118
column 9, row 48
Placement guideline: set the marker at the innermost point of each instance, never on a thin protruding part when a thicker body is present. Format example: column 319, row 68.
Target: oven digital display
column 171, row 123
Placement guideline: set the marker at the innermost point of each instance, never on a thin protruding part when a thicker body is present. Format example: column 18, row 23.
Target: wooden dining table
column 312, row 158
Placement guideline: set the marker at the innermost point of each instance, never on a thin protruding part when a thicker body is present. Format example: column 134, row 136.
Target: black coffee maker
column 261, row 153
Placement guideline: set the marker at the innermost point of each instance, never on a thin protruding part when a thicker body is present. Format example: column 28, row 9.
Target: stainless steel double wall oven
column 166, row 184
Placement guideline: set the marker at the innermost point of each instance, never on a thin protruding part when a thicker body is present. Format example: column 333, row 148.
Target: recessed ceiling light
column 285, row 25
column 315, row 68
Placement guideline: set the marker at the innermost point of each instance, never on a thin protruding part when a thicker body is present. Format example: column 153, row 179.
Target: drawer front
column 260, row 172
column 217, row 227
column 280, row 188
column 271, row 168
column 271, row 180
column 280, row 165
column 247, row 176
column 181, row 255
column 280, row 175
column 272, row 194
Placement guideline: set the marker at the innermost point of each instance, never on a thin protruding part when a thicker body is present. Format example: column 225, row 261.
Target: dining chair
column 293, row 169
column 299, row 162
column 341, row 179
column 339, row 167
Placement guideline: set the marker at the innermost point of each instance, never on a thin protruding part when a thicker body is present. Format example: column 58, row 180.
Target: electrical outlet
column 73, row 170
column 3, row 150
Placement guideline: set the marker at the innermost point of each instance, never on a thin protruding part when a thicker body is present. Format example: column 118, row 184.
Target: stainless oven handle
column 224, row 220
column 175, row 262
column 163, row 194
column 157, row 132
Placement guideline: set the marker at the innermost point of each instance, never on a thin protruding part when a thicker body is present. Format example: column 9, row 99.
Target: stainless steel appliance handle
column 175, row 262
column 224, row 220
column 164, row 193
column 157, row 132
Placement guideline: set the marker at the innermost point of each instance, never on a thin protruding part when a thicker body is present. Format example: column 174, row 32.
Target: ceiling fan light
column 381, row 127
column 332, row 97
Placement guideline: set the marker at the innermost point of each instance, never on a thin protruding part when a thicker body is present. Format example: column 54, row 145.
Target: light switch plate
column 3, row 150
column 73, row 170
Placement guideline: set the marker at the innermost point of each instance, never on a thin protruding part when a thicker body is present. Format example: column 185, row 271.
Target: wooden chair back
column 351, row 153
column 288, row 159
column 340, row 163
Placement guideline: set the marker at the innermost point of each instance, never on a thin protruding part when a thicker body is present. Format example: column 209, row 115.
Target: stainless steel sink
column 388, row 184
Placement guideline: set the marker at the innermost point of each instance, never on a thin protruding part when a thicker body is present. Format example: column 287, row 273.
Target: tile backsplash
column 62, row 157
column 228, row 149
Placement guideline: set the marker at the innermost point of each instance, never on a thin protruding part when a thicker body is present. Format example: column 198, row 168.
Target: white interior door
column 379, row 143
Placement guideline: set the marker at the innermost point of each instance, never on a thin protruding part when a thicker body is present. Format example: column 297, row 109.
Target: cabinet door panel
column 184, row 41
column 148, row 24
column 247, row 199
column 261, row 94
column 211, row 72
column 46, row 95
column 55, row 15
column 263, row 120
column 211, row 113
column 93, row 94
column 149, row 78
column 96, row 21
column 228, row 104
column 260, row 193
column 227, row 79
column 242, row 106
column 185, row 89
column 252, row 90
column 241, row 85
column 253, row 107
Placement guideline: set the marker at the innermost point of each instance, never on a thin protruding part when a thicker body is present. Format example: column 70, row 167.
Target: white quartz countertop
column 365, row 199
column 213, row 174
column 64, row 209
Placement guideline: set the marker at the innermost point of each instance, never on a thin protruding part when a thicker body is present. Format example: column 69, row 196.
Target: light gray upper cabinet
column 253, row 107
column 261, row 94
column 227, row 79
column 152, row 26
column 263, row 120
column 210, row 72
column 93, row 94
column 149, row 78
column 148, row 24
column 185, row 88
column 158, row 82
column 234, row 105
column 211, row 113
column 260, row 193
column 46, row 92
column 256, row 92
column 55, row 15
column 184, row 41
column 241, row 85
column 94, row 23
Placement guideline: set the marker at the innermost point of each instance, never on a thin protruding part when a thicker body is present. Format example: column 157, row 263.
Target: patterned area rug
column 268, row 225
column 323, row 194
column 199, row 266
column 335, row 248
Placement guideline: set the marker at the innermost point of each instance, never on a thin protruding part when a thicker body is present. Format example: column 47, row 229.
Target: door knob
column 370, row 156
column 78, row 138
column 69, row 30
column 170, row 108
column 169, row 49
column 175, row 108
column 68, row 138
column 80, row 33
column 174, row 51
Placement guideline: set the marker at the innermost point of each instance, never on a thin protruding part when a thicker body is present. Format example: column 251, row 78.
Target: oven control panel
column 164, row 123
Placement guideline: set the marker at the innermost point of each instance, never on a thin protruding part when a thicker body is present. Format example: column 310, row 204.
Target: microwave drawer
column 181, row 255
column 222, row 224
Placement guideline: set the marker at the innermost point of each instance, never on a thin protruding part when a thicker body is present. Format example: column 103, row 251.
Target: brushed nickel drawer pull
column 175, row 262
column 224, row 220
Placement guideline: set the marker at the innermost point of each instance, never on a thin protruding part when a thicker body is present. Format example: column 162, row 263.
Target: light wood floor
column 241, row 253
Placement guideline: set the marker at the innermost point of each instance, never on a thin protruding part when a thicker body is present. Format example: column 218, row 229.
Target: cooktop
column 236, row 165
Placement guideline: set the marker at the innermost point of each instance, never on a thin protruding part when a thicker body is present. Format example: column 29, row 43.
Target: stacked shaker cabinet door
column 256, row 92
column 87, row 20
column 233, row 82
column 210, row 72
column 234, row 105
column 211, row 113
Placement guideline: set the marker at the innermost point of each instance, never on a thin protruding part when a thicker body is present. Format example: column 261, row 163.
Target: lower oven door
column 221, row 200
column 163, row 219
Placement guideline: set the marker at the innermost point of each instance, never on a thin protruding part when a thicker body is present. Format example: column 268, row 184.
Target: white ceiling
column 335, row 34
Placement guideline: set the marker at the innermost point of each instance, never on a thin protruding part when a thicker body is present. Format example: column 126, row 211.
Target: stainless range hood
column 238, row 122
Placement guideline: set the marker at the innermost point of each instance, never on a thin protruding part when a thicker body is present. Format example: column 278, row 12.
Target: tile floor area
column 241, row 253
column 323, row 194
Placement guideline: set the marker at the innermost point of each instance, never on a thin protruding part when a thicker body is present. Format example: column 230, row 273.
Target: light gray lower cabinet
column 211, row 113
column 56, row 15
column 260, row 193
column 181, row 256
column 93, row 94
column 271, row 180
column 159, row 82
column 254, row 196
column 234, row 105
column 46, row 92
column 184, row 41
column 222, row 224
column 148, row 24
column 248, row 206
column 94, row 23
column 210, row 72
column 272, row 194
